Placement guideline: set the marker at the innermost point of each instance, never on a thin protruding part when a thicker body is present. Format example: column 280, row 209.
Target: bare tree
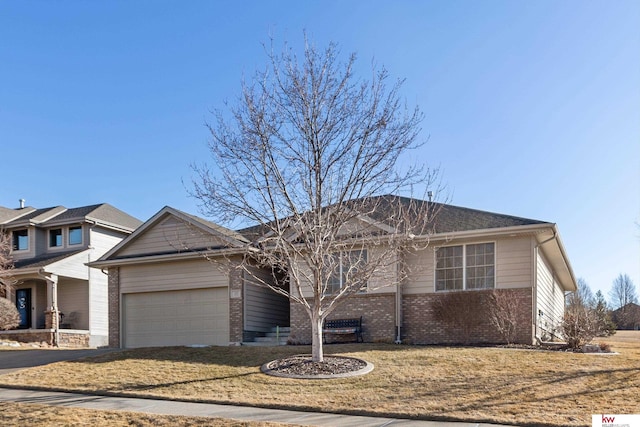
column 580, row 323
column 623, row 291
column 6, row 264
column 9, row 316
column 302, row 154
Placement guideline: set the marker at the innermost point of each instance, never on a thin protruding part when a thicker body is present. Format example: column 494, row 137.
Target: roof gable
column 102, row 214
column 171, row 231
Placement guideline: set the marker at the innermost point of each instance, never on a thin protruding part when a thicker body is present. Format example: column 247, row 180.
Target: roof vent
column 430, row 194
column 22, row 203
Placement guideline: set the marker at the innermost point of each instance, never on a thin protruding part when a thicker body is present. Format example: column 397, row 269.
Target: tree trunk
column 316, row 337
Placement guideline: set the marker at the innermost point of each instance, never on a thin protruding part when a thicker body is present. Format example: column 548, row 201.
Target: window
column 465, row 267
column 75, row 235
column 21, row 240
column 345, row 268
column 55, row 238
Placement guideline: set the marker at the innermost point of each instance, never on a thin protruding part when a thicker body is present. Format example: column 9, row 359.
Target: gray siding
column 73, row 297
column 550, row 300
column 170, row 276
column 170, row 235
column 513, row 263
column 263, row 307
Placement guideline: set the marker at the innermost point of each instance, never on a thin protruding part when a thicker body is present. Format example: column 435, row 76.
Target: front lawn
column 457, row 383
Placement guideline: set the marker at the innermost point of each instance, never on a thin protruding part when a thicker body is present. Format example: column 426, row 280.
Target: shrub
column 503, row 314
column 9, row 316
column 579, row 325
column 605, row 348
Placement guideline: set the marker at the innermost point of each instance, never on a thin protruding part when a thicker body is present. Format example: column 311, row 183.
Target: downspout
column 398, row 339
column 534, row 300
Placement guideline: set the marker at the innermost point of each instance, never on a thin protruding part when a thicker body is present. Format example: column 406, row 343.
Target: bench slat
column 343, row 326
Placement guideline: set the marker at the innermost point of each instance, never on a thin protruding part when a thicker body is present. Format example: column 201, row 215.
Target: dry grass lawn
column 14, row 414
column 468, row 384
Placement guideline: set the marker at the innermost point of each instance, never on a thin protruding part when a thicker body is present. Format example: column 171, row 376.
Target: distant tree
column 583, row 295
column 606, row 326
column 300, row 156
column 623, row 291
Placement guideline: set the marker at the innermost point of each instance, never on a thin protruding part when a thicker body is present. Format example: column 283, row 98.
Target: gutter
column 195, row 254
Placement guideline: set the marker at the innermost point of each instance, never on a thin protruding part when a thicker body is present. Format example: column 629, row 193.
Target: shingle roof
column 43, row 260
column 103, row 212
column 447, row 218
column 450, row 218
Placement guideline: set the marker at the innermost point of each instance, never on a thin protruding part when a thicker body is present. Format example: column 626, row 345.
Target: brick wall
column 421, row 324
column 420, row 320
column 378, row 319
column 114, row 306
column 236, row 306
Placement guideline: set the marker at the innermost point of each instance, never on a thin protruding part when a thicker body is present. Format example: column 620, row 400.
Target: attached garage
column 184, row 317
column 172, row 282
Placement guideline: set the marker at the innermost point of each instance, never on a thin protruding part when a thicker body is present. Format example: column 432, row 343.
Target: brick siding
column 421, row 326
column 378, row 319
column 114, row 306
column 236, row 305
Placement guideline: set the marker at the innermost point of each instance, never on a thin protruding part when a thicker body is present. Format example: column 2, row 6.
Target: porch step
column 275, row 337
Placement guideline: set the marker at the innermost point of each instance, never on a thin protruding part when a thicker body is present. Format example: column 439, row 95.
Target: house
column 627, row 317
column 60, row 300
column 176, row 281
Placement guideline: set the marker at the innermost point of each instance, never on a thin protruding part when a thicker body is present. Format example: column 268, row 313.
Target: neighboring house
column 175, row 281
column 627, row 317
column 61, row 300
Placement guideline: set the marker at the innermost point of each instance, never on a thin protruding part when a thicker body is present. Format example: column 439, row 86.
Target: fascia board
column 514, row 230
column 22, row 212
column 164, row 257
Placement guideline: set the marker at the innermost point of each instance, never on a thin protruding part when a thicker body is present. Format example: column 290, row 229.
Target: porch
column 53, row 310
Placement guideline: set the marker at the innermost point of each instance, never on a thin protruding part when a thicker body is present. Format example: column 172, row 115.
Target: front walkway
column 167, row 407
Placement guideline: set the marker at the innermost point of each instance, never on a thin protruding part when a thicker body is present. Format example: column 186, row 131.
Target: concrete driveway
column 14, row 360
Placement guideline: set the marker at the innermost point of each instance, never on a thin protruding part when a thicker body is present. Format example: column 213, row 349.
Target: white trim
column 464, row 265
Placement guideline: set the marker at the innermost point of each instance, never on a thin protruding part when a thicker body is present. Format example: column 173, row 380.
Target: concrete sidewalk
column 244, row 413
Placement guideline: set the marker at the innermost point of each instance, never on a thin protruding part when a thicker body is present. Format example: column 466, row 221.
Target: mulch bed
column 302, row 366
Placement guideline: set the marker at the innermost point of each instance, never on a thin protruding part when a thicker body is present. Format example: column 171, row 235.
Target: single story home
column 175, row 281
column 627, row 316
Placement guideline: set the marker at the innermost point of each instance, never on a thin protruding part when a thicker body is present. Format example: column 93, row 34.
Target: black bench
column 342, row 327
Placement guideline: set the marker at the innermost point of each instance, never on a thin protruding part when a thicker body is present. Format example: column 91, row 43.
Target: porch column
column 52, row 315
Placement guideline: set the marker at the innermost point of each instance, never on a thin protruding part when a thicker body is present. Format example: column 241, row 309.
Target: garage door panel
column 185, row 317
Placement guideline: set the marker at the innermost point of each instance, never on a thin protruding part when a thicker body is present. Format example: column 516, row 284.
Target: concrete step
column 268, row 343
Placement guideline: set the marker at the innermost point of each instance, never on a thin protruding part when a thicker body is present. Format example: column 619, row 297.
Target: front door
column 23, row 302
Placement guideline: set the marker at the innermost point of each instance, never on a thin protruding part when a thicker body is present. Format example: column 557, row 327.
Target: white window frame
column 331, row 289
column 464, row 266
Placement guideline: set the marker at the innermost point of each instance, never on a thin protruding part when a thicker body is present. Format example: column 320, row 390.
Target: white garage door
column 186, row 317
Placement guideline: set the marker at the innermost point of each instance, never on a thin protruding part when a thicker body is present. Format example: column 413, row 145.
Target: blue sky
column 532, row 108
